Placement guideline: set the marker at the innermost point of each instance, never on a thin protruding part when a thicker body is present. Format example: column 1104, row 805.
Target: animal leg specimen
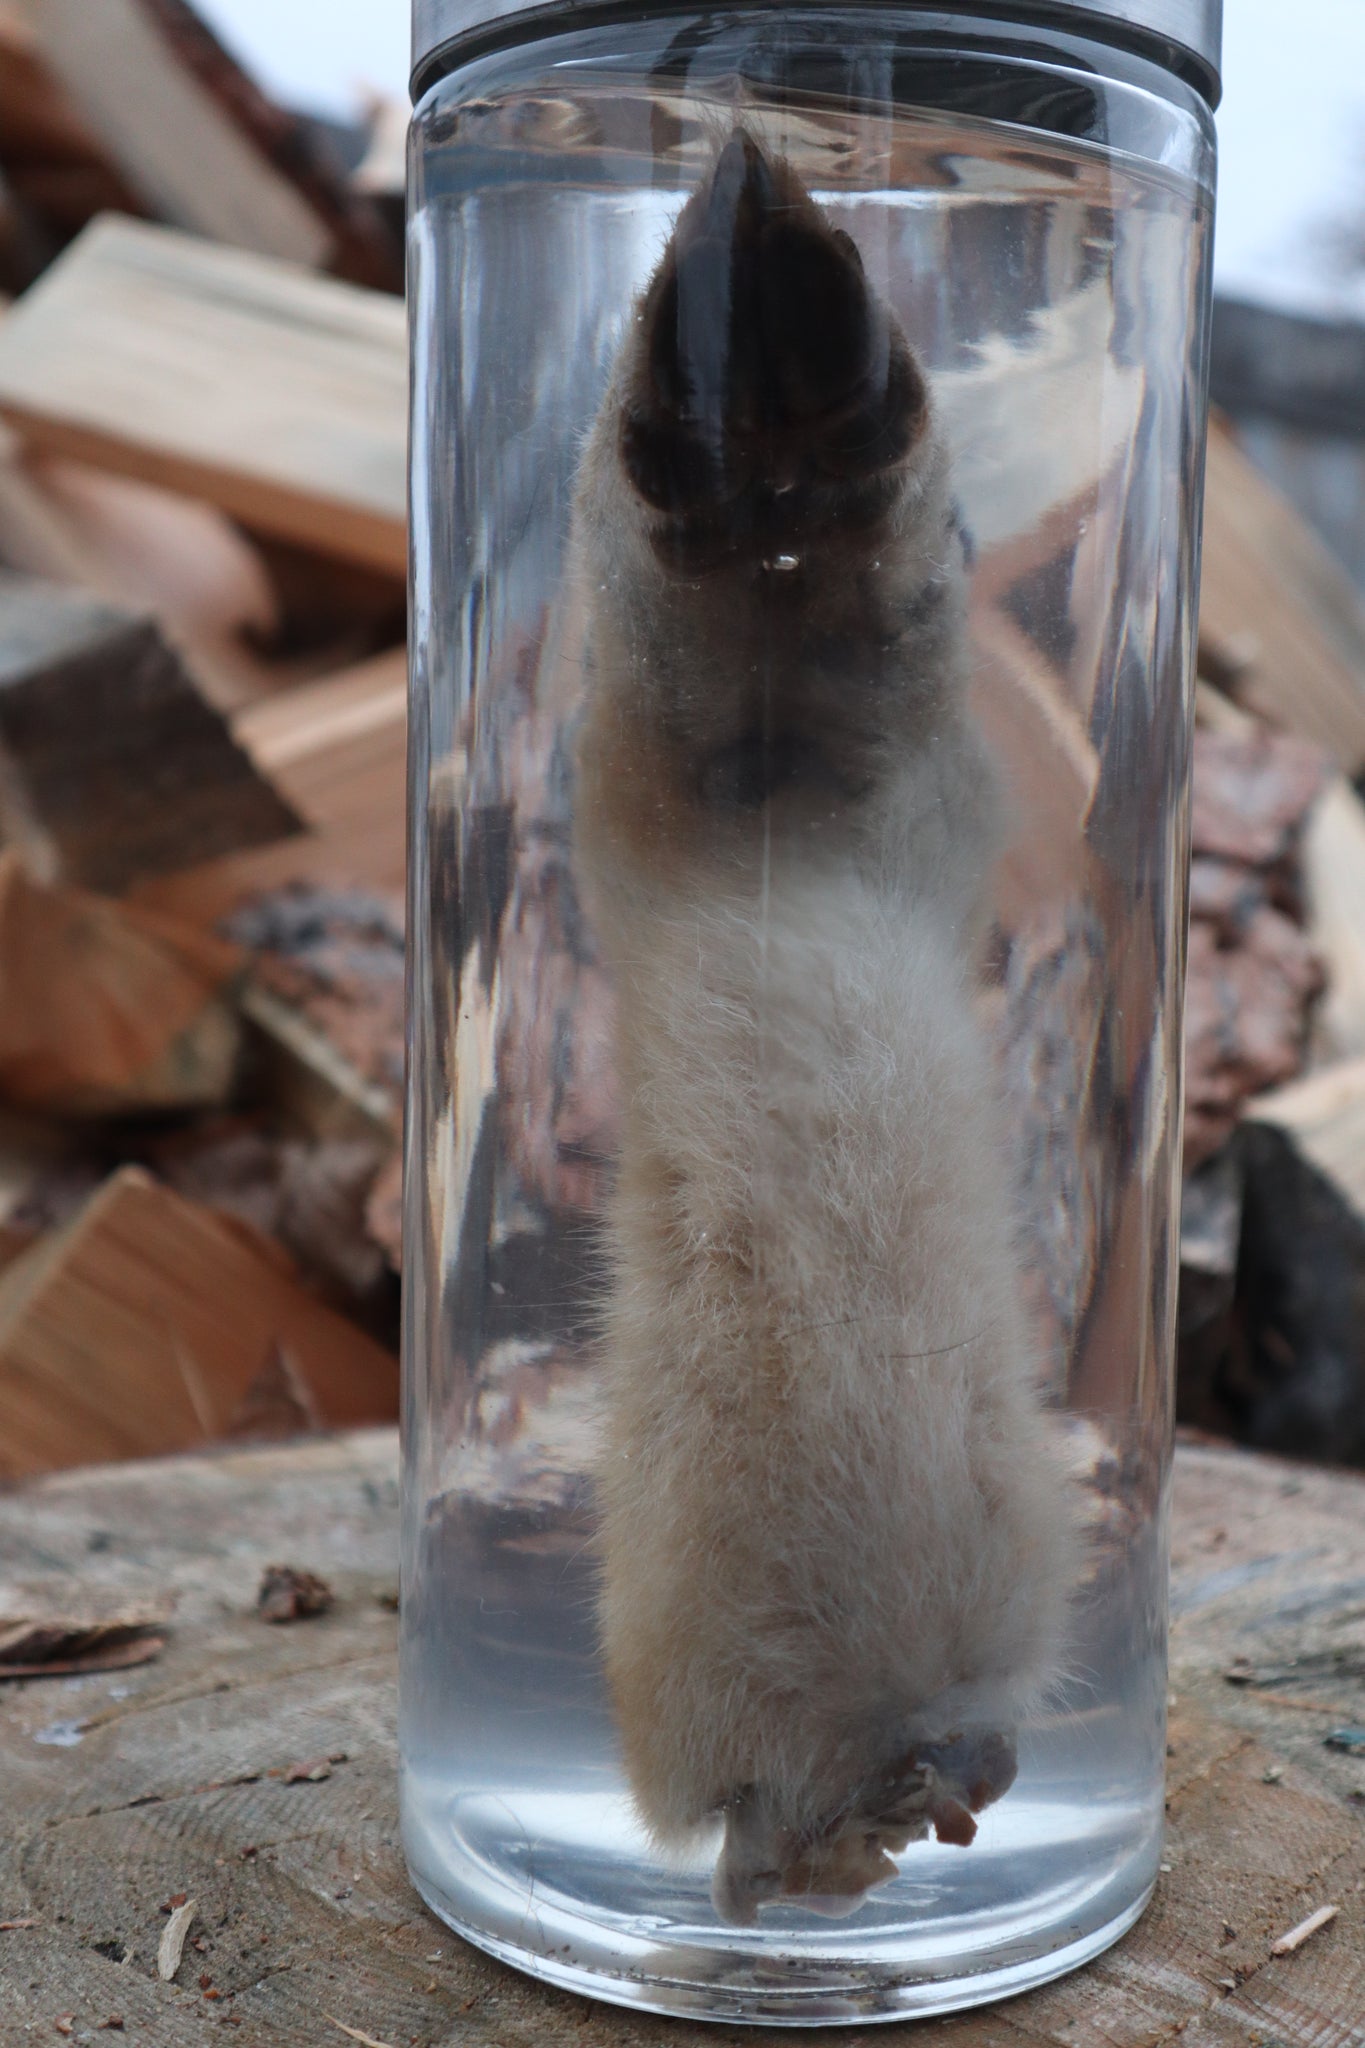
column 836, row 1541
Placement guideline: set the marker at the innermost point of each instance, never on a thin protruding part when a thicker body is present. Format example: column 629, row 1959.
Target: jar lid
column 1185, row 36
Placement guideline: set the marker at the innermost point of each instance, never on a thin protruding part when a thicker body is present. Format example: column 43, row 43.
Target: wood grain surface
column 276, row 395
column 305, row 1918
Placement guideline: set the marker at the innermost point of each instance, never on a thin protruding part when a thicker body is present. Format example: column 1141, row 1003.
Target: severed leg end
column 830, row 1867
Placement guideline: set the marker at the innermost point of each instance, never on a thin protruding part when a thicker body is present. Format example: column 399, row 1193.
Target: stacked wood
column 203, row 746
column 202, row 718
column 276, row 395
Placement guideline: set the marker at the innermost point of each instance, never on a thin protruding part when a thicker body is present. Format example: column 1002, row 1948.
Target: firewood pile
column 202, row 746
column 202, row 750
column 1271, row 1331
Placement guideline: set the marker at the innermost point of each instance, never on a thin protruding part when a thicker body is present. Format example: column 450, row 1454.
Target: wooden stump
column 178, row 1783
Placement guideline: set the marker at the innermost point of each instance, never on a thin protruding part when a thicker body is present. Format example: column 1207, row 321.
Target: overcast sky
column 1291, row 130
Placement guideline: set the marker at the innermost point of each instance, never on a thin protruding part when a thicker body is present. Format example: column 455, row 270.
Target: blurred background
column 1290, row 250
column 202, row 732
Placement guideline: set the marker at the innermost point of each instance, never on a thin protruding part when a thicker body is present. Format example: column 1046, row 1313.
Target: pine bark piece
column 327, row 994
column 1273, row 594
column 1253, row 973
column 108, row 1011
column 80, row 1635
column 1253, row 792
column 288, row 1594
column 277, row 395
column 111, row 763
column 1246, row 1021
column 140, row 1328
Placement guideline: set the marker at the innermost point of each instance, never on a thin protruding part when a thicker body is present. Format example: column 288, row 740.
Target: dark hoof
column 768, row 368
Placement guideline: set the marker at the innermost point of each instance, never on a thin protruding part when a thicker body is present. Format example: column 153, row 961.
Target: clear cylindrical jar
column 808, row 410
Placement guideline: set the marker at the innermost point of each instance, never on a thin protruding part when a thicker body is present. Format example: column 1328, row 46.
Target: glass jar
column 808, row 411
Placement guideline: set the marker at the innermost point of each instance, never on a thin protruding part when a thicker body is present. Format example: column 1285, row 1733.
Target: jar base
column 861, row 1992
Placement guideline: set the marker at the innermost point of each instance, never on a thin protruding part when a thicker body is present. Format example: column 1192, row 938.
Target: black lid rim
column 1182, row 36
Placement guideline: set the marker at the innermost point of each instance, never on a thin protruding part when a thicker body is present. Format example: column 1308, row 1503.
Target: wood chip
column 287, row 1594
column 65, row 2022
column 308, row 1773
column 355, row 2034
column 1297, row 1936
column 11, row 1926
column 173, row 1940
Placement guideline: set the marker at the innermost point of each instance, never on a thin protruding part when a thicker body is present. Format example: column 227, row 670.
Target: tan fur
column 835, row 1540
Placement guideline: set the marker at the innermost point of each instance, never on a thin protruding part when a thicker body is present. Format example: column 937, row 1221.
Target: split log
column 59, row 173
column 275, row 394
column 1324, row 1115
column 200, row 143
column 141, row 1328
column 108, row 1011
column 337, row 750
column 147, row 550
column 111, row 763
column 1272, row 592
column 188, row 162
